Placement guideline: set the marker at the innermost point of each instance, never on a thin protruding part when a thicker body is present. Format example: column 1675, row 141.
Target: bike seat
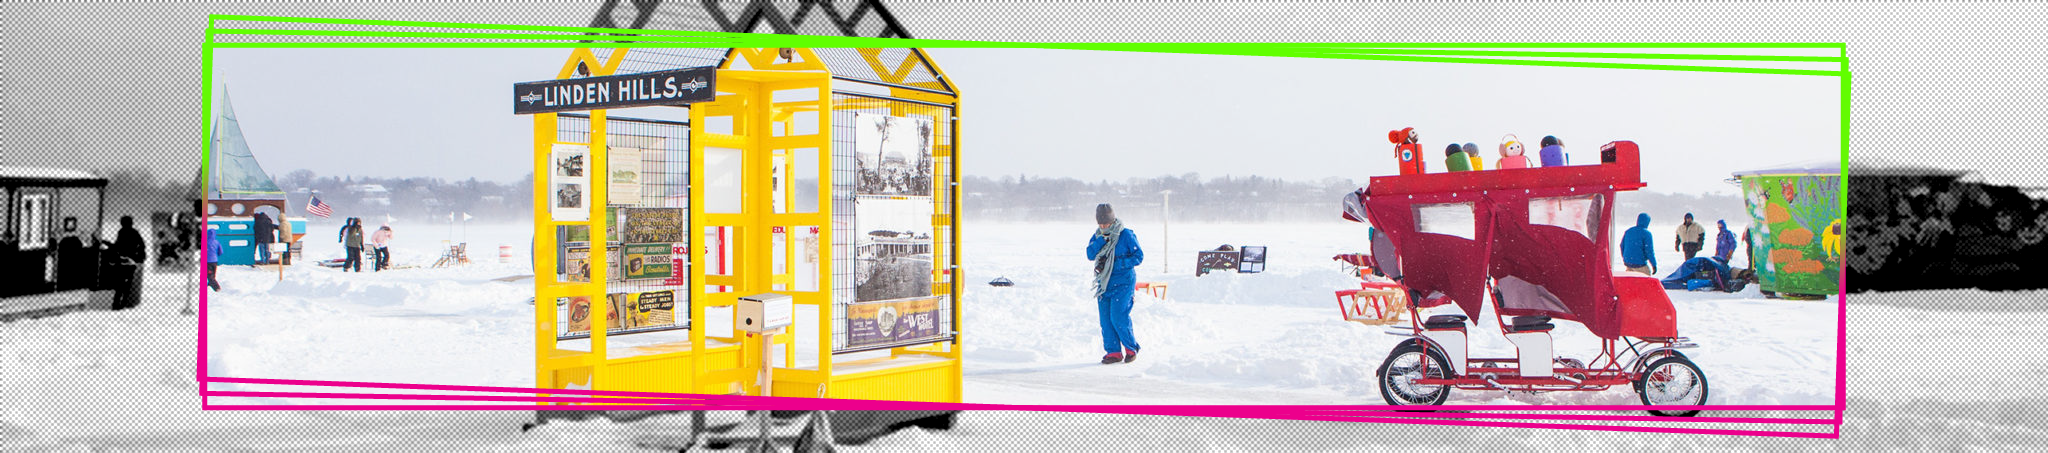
column 1444, row 322
column 1531, row 324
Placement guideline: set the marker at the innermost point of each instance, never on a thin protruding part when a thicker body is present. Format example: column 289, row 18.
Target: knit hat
column 1103, row 215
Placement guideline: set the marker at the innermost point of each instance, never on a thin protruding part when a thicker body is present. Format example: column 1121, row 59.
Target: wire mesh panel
column 647, row 218
column 889, row 192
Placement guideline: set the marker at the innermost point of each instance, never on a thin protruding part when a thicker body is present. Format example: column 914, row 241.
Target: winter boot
column 1130, row 355
column 1114, row 357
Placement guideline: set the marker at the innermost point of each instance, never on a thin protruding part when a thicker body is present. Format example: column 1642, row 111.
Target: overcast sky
column 1090, row 115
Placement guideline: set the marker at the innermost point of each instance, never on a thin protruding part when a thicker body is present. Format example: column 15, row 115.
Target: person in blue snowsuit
column 1636, row 251
column 213, row 253
column 1114, row 249
column 1724, row 242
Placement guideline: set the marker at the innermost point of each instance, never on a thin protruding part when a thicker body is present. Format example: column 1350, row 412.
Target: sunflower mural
column 1796, row 214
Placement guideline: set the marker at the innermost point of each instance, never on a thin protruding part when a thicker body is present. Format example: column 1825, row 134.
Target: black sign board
column 1251, row 259
column 672, row 87
column 1215, row 260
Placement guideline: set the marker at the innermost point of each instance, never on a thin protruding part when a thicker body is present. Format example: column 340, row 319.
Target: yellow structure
column 770, row 194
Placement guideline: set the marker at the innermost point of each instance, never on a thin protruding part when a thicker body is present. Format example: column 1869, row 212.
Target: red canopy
column 1539, row 233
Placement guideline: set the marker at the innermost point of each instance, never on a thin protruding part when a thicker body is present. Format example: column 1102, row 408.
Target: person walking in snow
column 212, row 262
column 1691, row 238
column 1724, row 242
column 1636, row 251
column 1117, row 256
column 381, row 241
column 352, row 237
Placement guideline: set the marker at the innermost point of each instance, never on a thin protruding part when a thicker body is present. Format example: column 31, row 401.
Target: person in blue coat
column 1636, row 251
column 1724, row 242
column 212, row 262
column 1114, row 249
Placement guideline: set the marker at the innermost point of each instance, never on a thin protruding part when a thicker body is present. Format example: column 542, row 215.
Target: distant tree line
column 1026, row 198
column 414, row 199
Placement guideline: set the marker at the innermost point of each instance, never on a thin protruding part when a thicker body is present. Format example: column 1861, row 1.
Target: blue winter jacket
column 1635, row 244
column 1128, row 257
column 1724, row 242
column 213, row 251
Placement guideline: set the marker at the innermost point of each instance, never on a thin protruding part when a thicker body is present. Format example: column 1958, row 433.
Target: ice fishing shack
column 49, row 257
column 1796, row 230
column 672, row 183
column 237, row 189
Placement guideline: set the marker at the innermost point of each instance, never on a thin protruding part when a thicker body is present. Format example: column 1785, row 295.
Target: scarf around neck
column 1105, row 262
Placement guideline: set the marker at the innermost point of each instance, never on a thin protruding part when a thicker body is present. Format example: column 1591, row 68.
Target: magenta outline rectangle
column 1288, row 412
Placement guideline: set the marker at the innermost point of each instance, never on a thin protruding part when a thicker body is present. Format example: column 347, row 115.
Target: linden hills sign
column 672, row 87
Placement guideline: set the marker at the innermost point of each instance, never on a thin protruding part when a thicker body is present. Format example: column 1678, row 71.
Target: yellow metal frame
column 762, row 129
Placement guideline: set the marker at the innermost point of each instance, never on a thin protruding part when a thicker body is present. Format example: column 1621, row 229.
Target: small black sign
column 672, row 87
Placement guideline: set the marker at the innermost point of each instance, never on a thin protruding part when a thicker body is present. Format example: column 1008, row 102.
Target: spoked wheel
column 1405, row 365
column 1672, row 380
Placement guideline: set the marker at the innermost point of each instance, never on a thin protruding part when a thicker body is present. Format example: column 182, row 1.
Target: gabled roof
column 859, row 18
column 48, row 177
column 867, row 18
column 905, row 67
column 897, row 67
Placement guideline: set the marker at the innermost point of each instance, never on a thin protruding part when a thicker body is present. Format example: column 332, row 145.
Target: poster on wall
column 623, row 312
column 648, row 261
column 569, row 183
column 649, row 310
column 893, row 155
column 576, row 263
column 892, row 322
column 579, row 315
column 648, row 225
column 892, row 249
column 623, row 164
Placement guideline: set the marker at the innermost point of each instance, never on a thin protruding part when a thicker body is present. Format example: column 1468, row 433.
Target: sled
column 1156, row 289
column 1374, row 304
column 1356, row 264
column 456, row 255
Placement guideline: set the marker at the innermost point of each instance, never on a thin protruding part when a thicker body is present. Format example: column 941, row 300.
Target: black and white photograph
column 571, row 182
column 894, row 155
column 893, row 253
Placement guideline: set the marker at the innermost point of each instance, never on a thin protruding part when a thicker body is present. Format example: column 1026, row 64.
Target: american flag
column 315, row 207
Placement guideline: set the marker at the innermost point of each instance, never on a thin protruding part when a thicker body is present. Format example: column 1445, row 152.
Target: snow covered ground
column 1225, row 338
column 123, row 380
column 1276, row 337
